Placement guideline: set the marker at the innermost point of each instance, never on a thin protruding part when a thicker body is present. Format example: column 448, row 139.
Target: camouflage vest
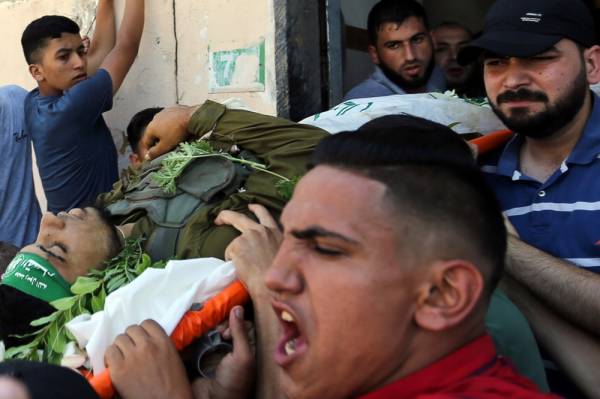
column 203, row 182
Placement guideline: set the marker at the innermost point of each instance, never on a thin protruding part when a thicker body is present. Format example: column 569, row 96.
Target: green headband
column 35, row 276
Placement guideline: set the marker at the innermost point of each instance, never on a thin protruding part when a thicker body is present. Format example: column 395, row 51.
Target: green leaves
column 85, row 285
column 64, row 303
column 175, row 163
column 89, row 294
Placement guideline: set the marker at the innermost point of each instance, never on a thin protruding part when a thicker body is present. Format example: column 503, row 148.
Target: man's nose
column 453, row 53
column 516, row 75
column 79, row 61
column 50, row 220
column 409, row 52
column 283, row 276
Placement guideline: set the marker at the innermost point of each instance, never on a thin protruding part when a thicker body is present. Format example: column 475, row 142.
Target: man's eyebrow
column 63, row 50
column 316, row 231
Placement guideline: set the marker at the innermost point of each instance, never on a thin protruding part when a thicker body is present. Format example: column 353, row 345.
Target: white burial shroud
column 445, row 108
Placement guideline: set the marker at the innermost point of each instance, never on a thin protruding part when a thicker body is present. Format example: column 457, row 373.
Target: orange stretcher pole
column 491, row 141
column 193, row 325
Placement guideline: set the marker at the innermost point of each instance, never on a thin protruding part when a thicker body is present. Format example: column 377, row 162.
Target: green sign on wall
column 238, row 70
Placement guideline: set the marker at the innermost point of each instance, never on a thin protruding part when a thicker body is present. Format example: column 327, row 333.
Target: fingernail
column 239, row 312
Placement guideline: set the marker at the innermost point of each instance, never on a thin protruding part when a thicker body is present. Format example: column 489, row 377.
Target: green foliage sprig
column 89, row 293
column 175, row 163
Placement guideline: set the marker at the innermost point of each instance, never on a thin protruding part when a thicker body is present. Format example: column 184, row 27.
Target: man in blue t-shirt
column 75, row 152
column 539, row 59
column 19, row 210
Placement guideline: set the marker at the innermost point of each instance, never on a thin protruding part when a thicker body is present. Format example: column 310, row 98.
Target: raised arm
column 104, row 35
column 570, row 291
column 121, row 57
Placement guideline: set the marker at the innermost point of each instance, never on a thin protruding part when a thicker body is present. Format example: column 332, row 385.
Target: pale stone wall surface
column 174, row 64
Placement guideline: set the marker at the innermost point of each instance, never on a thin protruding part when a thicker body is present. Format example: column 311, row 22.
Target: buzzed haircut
column 7, row 253
column 434, row 186
column 393, row 11
column 138, row 124
column 37, row 34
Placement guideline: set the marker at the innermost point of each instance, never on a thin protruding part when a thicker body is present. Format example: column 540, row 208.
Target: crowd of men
column 401, row 267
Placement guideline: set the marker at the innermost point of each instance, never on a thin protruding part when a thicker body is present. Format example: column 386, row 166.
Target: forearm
column 121, row 57
column 104, row 35
column 572, row 292
column 575, row 351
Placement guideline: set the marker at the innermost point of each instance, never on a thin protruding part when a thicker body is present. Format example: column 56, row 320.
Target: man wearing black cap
column 539, row 59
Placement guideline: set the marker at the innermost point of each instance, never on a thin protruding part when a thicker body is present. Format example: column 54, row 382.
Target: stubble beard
column 547, row 122
column 408, row 84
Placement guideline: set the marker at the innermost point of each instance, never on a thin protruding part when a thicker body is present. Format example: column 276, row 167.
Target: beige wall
column 174, row 59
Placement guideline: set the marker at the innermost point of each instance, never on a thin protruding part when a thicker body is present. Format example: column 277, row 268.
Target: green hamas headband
column 35, row 276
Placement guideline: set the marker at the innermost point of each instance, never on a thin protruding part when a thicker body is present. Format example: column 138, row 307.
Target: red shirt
column 473, row 371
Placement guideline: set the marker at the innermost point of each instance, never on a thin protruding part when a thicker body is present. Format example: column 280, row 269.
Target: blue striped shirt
column 562, row 215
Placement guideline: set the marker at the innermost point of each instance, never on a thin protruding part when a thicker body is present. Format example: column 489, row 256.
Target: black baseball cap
column 523, row 28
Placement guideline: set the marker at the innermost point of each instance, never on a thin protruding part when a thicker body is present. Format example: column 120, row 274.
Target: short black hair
column 7, row 253
column 137, row 125
column 37, row 33
column 433, row 182
column 394, row 11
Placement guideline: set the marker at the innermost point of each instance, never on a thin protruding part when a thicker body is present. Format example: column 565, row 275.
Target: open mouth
column 292, row 343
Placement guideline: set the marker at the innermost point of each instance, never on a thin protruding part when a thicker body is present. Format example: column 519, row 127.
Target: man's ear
column 373, row 54
column 455, row 287
column 591, row 57
column 37, row 72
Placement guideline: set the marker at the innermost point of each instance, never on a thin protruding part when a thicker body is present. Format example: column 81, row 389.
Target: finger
column 137, row 334
column 226, row 334
column 124, row 343
column 241, row 345
column 238, row 220
column 263, row 216
column 153, row 152
column 113, row 355
column 153, row 329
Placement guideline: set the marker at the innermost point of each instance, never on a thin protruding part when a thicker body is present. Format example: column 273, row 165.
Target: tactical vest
column 203, row 182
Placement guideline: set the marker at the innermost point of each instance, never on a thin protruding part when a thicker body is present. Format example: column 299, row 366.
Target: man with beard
column 401, row 49
column 539, row 58
column 466, row 80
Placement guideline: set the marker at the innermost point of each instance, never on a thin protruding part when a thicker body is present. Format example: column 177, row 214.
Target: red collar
column 471, row 359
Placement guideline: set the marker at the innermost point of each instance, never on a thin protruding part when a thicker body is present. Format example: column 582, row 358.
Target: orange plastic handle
column 193, row 325
column 491, row 141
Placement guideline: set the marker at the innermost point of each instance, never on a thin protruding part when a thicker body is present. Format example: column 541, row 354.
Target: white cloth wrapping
column 446, row 108
column 163, row 295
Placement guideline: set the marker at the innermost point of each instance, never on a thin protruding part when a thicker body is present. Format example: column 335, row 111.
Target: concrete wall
column 176, row 63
